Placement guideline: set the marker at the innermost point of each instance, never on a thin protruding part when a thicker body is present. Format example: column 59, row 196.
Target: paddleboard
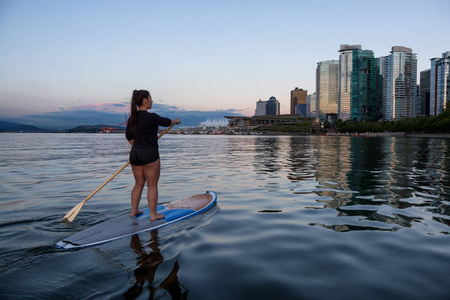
column 123, row 226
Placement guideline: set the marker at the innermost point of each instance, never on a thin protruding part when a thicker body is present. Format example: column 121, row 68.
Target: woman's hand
column 176, row 121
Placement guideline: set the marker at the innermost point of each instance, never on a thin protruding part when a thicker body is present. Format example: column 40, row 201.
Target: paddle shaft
column 70, row 216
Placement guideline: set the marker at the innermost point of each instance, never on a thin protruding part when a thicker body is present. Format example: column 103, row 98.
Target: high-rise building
column 365, row 103
column 327, row 89
column 425, row 92
column 298, row 102
column 270, row 107
column 345, row 80
column 311, row 101
column 399, row 71
column 439, row 84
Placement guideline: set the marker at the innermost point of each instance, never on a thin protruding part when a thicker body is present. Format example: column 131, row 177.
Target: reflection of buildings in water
column 372, row 179
column 392, row 175
column 367, row 179
column 145, row 272
column 323, row 159
column 267, row 154
column 367, row 157
column 350, row 163
column 429, row 176
column 433, row 159
column 421, row 168
column 267, row 161
column 398, row 166
column 319, row 165
column 301, row 159
column 333, row 157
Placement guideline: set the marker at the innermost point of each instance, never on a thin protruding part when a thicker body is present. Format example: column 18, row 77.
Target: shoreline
column 369, row 134
column 365, row 134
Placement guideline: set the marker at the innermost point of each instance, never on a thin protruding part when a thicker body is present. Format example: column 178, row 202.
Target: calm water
column 297, row 218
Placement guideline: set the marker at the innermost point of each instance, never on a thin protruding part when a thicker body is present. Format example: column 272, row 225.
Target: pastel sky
column 61, row 56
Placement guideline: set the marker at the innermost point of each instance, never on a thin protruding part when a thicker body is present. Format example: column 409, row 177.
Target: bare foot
column 139, row 212
column 156, row 217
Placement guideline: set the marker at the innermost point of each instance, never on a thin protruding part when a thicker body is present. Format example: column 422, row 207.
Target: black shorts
column 142, row 154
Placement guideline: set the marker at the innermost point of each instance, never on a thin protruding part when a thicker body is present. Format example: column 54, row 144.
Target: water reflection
column 267, row 151
column 301, row 160
column 370, row 183
column 145, row 272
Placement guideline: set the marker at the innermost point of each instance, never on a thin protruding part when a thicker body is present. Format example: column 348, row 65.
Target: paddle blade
column 72, row 214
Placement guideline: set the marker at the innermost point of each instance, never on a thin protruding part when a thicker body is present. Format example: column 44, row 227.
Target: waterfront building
column 270, row 107
column 327, row 90
column 344, row 79
column 425, row 92
column 439, row 83
column 243, row 122
column 298, row 102
column 365, row 97
column 311, row 102
column 260, row 108
column 214, row 124
column 399, row 71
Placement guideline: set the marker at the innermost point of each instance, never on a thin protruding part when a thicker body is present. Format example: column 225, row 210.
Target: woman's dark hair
column 136, row 100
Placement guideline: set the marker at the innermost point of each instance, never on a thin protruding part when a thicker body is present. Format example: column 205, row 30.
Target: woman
column 142, row 133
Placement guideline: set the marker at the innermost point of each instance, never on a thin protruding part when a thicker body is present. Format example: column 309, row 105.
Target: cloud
column 114, row 114
column 106, row 107
column 119, row 105
column 69, row 119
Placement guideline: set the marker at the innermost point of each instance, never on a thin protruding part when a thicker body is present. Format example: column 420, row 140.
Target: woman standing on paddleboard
column 142, row 133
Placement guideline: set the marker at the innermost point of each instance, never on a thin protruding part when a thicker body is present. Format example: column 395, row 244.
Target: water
column 297, row 218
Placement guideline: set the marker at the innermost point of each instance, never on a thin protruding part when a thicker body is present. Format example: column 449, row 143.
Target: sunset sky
column 75, row 59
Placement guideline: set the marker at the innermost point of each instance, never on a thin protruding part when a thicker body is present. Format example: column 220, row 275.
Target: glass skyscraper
column 327, row 89
column 439, row 84
column 365, row 103
column 311, row 102
column 345, row 80
column 399, row 71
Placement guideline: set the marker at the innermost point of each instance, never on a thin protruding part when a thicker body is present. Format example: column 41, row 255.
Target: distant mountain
column 18, row 127
column 96, row 129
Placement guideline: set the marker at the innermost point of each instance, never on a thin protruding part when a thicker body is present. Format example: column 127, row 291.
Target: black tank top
column 145, row 131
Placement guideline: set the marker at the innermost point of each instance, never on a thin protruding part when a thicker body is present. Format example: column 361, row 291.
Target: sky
column 65, row 63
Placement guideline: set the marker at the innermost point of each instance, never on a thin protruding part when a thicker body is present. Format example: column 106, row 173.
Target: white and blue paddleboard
column 125, row 225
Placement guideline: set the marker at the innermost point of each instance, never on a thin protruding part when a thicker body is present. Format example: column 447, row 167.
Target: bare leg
column 139, row 177
column 152, row 172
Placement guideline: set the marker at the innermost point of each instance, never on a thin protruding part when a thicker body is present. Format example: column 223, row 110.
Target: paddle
column 71, row 215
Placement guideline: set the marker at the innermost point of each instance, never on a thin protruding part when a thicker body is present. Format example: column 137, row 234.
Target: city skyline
column 60, row 58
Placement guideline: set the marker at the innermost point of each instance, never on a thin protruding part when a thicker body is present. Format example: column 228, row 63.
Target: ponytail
column 136, row 100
